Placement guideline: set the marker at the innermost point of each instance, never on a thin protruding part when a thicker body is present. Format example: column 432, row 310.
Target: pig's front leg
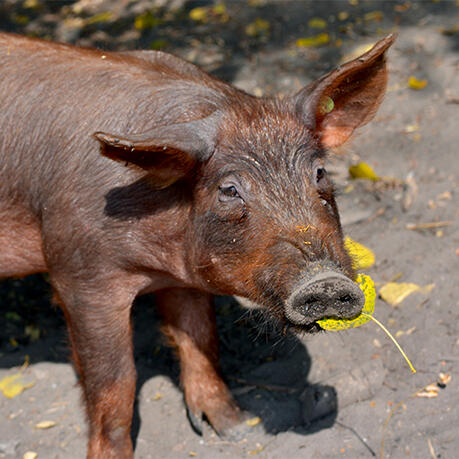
column 98, row 320
column 189, row 322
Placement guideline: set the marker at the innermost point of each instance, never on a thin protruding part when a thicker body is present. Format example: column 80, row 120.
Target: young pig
column 136, row 172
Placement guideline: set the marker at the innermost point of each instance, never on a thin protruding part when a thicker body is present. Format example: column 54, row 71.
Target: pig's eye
column 228, row 192
column 320, row 173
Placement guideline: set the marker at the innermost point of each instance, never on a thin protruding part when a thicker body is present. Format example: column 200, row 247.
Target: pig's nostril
column 309, row 303
column 346, row 299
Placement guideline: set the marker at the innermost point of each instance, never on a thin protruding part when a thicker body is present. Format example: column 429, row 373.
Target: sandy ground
column 337, row 394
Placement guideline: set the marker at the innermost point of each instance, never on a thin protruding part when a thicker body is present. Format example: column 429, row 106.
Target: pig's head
column 264, row 224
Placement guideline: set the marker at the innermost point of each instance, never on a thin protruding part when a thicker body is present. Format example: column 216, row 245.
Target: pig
column 126, row 173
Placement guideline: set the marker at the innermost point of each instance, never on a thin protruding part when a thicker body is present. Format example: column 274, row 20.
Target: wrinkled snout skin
column 136, row 172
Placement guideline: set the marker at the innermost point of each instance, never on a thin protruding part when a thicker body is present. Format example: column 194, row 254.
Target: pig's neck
column 158, row 242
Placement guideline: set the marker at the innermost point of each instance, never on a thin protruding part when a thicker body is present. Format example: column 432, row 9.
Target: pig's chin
column 301, row 329
column 288, row 325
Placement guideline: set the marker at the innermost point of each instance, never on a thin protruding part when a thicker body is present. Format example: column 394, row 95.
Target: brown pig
column 135, row 172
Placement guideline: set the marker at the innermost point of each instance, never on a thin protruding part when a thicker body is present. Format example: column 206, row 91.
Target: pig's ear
column 167, row 152
column 346, row 98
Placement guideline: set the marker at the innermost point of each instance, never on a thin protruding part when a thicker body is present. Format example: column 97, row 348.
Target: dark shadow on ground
column 266, row 371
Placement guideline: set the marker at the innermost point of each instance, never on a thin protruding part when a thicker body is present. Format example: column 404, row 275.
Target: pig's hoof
column 241, row 430
column 195, row 420
column 235, row 426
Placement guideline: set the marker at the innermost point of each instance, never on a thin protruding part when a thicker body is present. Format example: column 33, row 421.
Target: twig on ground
column 428, row 225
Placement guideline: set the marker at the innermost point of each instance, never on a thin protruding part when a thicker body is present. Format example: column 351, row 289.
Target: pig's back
column 53, row 97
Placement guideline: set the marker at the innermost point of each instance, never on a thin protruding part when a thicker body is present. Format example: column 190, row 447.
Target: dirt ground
column 337, row 394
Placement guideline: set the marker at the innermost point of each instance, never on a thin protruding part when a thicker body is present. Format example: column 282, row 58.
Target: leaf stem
column 392, row 338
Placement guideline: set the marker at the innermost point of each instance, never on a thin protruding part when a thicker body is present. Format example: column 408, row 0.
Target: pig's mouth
column 311, row 328
column 329, row 294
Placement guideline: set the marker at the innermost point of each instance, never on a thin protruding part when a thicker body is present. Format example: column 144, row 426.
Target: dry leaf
column 98, row 18
column 45, row 425
column 410, row 191
column 374, row 16
column 219, row 9
column 444, row 379
column 363, row 171
column 317, row 40
column 402, row 8
column 430, row 391
column 317, row 23
column 362, row 257
column 31, row 4
column 259, row 449
column 411, row 128
column 405, row 332
column 198, row 14
column 146, row 21
column 253, row 421
column 14, row 385
column 257, row 27
column 395, row 292
column 30, row 455
column 414, row 83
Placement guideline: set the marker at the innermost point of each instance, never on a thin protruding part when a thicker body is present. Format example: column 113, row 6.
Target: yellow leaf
column 411, row 128
column 253, row 421
column 20, row 19
column 362, row 257
column 317, row 40
column 146, row 21
column 414, row 83
column 45, row 425
column 30, row 455
column 395, row 292
column 317, row 23
column 30, row 4
column 374, row 16
column 219, row 9
column 198, row 14
column 14, row 385
column 257, row 27
column 343, row 15
column 101, row 17
column 32, row 332
column 259, row 449
column 158, row 44
column 367, row 286
column 363, row 171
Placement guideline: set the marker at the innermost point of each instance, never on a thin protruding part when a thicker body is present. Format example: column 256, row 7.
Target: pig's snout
column 328, row 294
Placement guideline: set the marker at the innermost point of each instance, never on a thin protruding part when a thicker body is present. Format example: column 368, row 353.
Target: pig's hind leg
column 189, row 323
